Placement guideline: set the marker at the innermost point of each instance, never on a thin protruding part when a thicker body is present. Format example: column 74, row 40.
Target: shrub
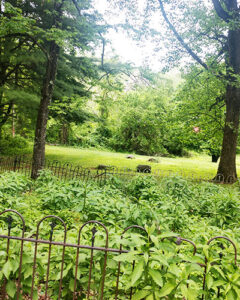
column 14, row 145
column 12, row 183
column 140, row 184
column 140, row 132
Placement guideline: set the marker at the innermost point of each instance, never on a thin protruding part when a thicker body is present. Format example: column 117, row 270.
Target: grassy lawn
column 198, row 165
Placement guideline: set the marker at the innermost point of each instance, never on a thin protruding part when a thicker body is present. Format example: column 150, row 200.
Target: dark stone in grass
column 154, row 160
column 130, row 157
column 104, row 167
column 144, row 169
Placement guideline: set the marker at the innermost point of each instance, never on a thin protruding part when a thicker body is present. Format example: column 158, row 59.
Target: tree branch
column 11, row 71
column 7, row 114
column 103, row 50
column 31, row 38
column 180, row 39
column 77, row 7
column 220, row 11
column 215, row 119
column 218, row 100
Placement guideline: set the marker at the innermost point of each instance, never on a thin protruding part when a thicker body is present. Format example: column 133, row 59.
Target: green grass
column 199, row 165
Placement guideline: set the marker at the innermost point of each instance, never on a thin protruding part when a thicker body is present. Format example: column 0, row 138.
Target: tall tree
column 18, row 82
column 228, row 12
column 57, row 28
column 73, row 26
column 210, row 34
column 46, row 93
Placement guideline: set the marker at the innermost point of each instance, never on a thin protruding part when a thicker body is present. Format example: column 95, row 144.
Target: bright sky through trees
column 144, row 53
column 140, row 54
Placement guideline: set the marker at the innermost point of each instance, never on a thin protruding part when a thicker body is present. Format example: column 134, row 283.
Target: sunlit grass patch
column 198, row 165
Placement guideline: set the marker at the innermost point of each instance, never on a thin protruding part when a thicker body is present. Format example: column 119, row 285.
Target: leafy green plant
column 14, row 145
column 171, row 208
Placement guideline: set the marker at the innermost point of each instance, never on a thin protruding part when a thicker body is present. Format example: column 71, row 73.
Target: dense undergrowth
column 175, row 207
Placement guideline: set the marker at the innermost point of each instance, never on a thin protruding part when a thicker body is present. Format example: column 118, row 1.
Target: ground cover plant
column 175, row 207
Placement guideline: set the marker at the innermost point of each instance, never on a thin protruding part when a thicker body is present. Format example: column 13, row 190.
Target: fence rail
column 28, row 279
column 66, row 171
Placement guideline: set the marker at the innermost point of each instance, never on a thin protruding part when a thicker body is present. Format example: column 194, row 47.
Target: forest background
column 59, row 85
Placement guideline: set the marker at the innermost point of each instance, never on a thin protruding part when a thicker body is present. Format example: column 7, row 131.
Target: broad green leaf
column 166, row 290
column 146, row 257
column 35, row 295
column 156, row 276
column 71, row 285
column 167, row 234
column 7, row 268
column 219, row 283
column 150, row 297
column 193, row 267
column 237, row 290
column 235, row 277
column 137, row 272
column 15, row 265
column 155, row 240
column 184, row 290
column 140, row 295
column 205, row 250
column 28, row 272
column 160, row 258
column 129, row 257
column 231, row 295
column 192, row 294
column 209, row 281
column 219, row 270
column 11, row 288
column 26, row 259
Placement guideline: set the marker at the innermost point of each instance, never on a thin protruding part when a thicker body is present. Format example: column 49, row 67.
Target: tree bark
column 64, row 133
column 227, row 164
column 41, row 126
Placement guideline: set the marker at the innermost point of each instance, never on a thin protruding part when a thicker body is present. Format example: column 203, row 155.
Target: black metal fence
column 66, row 171
column 23, row 277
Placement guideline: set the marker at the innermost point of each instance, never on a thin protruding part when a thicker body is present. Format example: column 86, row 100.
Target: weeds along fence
column 45, row 265
column 66, row 171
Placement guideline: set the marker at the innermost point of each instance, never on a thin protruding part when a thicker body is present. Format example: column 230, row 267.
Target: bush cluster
column 171, row 207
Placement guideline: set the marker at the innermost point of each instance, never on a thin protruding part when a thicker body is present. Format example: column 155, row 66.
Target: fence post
column 15, row 163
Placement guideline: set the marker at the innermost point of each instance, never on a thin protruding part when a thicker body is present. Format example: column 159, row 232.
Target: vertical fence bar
column 91, row 259
column 21, row 249
column 119, row 263
column 206, row 260
column 52, row 225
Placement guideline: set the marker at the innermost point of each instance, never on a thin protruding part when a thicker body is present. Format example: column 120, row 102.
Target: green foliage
column 199, row 105
column 25, row 48
column 12, row 183
column 14, row 145
column 142, row 114
column 140, row 132
column 141, row 185
column 194, row 211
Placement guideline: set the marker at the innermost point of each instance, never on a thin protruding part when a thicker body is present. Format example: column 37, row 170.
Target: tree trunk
column 64, row 134
column 41, row 126
column 227, row 164
column 13, row 122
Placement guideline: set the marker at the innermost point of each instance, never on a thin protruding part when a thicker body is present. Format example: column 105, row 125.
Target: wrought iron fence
column 67, row 171
column 27, row 279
